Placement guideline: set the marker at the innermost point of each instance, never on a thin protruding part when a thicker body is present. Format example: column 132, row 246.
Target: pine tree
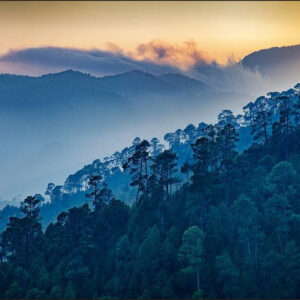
column 138, row 166
column 191, row 251
column 164, row 168
column 185, row 169
column 261, row 122
column 156, row 147
column 212, row 132
column 227, row 139
column 94, row 184
column 285, row 123
column 202, row 153
column 22, row 234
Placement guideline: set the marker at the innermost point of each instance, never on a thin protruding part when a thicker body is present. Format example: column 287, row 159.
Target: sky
column 220, row 29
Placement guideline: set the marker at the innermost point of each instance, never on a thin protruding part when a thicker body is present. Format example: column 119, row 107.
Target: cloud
column 183, row 56
column 231, row 77
column 35, row 61
column 156, row 57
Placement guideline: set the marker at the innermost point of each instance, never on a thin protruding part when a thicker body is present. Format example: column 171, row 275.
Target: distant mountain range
column 131, row 82
column 267, row 59
column 70, row 89
column 281, row 65
column 48, row 122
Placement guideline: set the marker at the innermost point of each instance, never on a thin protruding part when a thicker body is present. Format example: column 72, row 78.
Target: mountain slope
column 72, row 192
column 268, row 59
column 279, row 64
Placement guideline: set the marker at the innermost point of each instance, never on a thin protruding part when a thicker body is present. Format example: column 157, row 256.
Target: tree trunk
column 227, row 190
column 255, row 251
column 137, row 195
column 198, row 278
column 286, row 141
column 146, row 172
column 285, row 226
column 248, row 247
column 280, row 243
column 266, row 134
column 201, row 219
column 162, row 216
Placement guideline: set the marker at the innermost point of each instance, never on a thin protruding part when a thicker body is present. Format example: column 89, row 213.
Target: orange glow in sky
column 220, row 29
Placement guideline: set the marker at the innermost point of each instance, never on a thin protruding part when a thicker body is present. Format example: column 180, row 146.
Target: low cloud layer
column 156, row 57
column 37, row 61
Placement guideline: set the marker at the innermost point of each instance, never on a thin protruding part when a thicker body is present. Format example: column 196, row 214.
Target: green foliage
column 35, row 294
column 56, row 292
column 192, row 251
column 228, row 274
column 198, row 295
column 70, row 292
column 14, row 291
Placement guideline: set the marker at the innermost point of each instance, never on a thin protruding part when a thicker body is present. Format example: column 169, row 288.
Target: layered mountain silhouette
column 280, row 65
column 47, row 122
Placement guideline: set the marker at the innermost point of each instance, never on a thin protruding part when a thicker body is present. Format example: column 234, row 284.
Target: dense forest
column 228, row 227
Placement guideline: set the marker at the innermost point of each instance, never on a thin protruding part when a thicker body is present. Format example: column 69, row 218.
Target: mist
column 58, row 123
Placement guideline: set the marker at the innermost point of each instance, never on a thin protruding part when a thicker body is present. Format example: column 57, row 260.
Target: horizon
column 22, row 61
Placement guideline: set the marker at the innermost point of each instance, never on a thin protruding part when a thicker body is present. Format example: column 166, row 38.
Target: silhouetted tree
column 138, row 166
column 185, row 169
column 261, row 122
column 94, row 184
column 202, row 153
column 227, row 139
column 285, row 122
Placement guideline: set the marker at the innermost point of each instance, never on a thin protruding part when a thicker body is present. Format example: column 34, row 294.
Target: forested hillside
column 60, row 197
column 227, row 227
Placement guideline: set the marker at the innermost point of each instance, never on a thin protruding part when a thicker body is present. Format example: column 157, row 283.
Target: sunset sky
column 220, row 29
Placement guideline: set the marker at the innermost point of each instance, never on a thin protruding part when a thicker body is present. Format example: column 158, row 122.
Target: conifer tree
column 227, row 139
column 191, row 250
column 94, row 184
column 202, row 153
column 285, row 123
column 138, row 166
column 261, row 122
